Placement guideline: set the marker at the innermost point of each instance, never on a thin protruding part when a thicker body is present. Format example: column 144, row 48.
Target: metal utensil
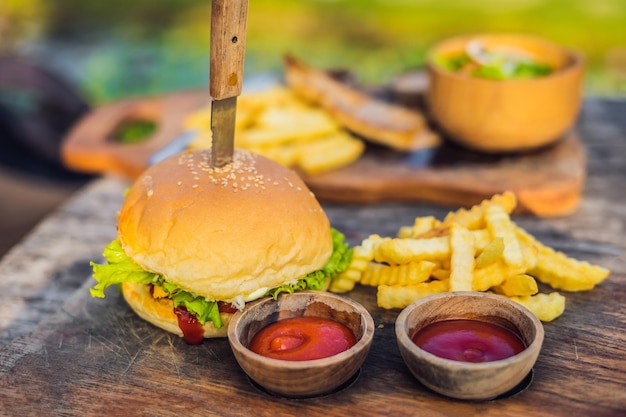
column 178, row 144
column 228, row 42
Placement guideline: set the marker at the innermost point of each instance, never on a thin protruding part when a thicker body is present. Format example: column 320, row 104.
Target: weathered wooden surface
column 64, row 353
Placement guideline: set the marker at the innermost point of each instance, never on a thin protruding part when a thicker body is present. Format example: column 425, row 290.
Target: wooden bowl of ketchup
column 304, row 344
column 469, row 345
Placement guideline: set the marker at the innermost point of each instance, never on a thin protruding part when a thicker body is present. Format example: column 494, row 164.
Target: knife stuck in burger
column 202, row 232
column 195, row 242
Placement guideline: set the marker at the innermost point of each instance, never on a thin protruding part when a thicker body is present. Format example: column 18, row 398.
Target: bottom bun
column 160, row 312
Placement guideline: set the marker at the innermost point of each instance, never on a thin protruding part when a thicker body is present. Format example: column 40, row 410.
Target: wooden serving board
column 548, row 182
column 95, row 357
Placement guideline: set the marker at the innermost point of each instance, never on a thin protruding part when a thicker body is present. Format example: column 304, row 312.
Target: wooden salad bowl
column 510, row 115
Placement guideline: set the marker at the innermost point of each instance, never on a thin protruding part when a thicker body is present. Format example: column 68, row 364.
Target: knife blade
column 178, row 144
column 228, row 41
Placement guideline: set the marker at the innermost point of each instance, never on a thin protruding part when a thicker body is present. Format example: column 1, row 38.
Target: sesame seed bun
column 224, row 234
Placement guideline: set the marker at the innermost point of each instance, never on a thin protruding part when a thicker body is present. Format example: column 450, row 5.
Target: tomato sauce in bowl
column 334, row 328
column 468, row 340
column 302, row 338
column 477, row 365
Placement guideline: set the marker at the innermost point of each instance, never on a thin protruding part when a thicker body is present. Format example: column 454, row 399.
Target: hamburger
column 195, row 243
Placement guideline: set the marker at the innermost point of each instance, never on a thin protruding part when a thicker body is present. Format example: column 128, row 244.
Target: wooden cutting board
column 547, row 182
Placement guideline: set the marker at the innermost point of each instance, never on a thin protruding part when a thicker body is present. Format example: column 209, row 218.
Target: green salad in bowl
column 496, row 64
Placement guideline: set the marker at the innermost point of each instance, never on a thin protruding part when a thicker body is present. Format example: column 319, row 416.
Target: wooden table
column 64, row 353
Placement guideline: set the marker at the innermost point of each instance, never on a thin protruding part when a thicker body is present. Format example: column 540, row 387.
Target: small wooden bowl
column 463, row 380
column 496, row 116
column 299, row 379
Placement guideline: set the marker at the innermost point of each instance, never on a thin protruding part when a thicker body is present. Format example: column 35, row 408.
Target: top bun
column 224, row 233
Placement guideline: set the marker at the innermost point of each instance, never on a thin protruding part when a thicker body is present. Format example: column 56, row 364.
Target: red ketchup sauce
column 467, row 340
column 193, row 332
column 302, row 338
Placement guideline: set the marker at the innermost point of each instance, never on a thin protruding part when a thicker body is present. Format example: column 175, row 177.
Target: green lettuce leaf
column 316, row 280
column 498, row 66
column 120, row 268
column 203, row 310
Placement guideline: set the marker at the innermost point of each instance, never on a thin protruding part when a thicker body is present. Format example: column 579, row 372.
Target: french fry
column 281, row 126
column 399, row 251
column 461, row 259
column 441, row 273
column 568, row 274
column 517, row 285
column 420, row 226
column 482, row 239
column 345, row 281
column 480, row 249
column 474, row 217
column 561, row 271
column 492, row 252
column 276, row 126
column 286, row 154
column 329, row 152
column 500, row 226
column 546, row 307
column 530, row 253
column 361, row 256
column 368, row 247
column 437, row 231
column 405, row 274
column 490, row 276
column 390, row 296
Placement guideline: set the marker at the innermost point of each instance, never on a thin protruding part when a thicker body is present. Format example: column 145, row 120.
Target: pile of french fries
column 480, row 249
column 276, row 123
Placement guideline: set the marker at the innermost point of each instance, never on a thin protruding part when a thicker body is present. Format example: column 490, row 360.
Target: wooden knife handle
column 228, row 47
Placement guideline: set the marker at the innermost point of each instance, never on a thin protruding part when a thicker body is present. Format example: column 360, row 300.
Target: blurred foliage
column 153, row 46
column 20, row 21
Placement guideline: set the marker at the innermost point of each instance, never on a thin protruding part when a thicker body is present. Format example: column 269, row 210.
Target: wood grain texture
column 64, row 353
column 548, row 182
column 97, row 357
column 228, row 47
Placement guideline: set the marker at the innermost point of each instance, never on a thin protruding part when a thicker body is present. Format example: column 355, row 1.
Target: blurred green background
column 112, row 49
